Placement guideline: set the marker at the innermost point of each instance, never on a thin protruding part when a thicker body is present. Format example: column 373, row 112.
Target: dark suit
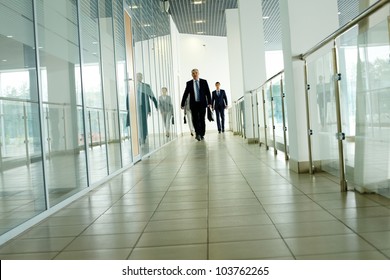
column 144, row 94
column 219, row 103
column 198, row 109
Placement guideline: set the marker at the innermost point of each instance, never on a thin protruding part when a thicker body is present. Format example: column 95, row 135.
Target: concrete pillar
column 304, row 23
column 249, row 55
column 235, row 60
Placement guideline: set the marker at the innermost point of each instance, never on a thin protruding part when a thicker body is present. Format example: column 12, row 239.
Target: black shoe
column 219, row 131
column 201, row 137
column 223, row 130
column 197, row 137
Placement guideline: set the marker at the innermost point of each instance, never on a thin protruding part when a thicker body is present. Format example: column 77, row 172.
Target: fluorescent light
column 266, row 17
column 198, row 2
column 200, row 32
column 146, row 25
column 200, row 21
column 10, row 36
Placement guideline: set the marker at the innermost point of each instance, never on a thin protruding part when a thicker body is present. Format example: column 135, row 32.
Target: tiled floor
column 215, row 199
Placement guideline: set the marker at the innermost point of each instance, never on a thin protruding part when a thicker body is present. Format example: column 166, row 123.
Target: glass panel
column 285, row 113
column 92, row 88
column 120, row 57
column 60, row 71
column 261, row 116
column 322, row 109
column 111, row 113
column 152, row 67
column 21, row 171
column 366, row 105
column 169, row 82
column 278, row 117
column 268, row 114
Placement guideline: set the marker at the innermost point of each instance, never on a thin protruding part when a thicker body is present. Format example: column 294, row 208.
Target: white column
column 235, row 60
column 251, row 57
column 304, row 24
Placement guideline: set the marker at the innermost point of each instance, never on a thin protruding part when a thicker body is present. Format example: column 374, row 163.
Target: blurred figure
column 219, row 103
column 188, row 117
column 166, row 109
column 144, row 95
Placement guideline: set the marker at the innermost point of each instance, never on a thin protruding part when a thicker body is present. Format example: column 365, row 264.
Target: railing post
column 309, row 132
column 283, row 96
column 26, row 133
column 273, row 119
column 48, row 133
column 253, row 113
column 265, row 120
column 100, row 130
column 257, row 117
column 340, row 134
column 90, row 129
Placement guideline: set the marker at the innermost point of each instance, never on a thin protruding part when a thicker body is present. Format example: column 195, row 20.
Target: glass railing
column 348, row 102
column 270, row 113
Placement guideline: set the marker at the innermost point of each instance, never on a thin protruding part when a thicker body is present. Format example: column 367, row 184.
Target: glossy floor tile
column 216, row 199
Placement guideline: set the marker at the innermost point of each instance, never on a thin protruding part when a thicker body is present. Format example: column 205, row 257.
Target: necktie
column 197, row 90
column 218, row 93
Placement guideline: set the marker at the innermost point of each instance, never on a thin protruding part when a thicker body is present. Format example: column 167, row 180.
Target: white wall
column 209, row 54
column 175, row 40
column 273, row 63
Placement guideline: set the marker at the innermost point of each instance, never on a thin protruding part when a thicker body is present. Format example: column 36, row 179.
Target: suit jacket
column 165, row 104
column 219, row 102
column 204, row 93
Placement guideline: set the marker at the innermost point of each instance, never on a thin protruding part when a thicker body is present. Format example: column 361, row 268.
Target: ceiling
column 185, row 14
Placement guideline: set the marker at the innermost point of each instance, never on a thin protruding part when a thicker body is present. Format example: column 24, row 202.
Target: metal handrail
column 370, row 10
column 268, row 80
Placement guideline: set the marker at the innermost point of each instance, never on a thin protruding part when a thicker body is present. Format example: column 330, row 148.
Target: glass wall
column 64, row 84
column 95, row 125
column 155, row 96
column 22, row 193
column 58, row 43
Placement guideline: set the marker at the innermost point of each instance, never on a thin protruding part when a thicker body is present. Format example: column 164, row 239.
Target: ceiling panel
column 185, row 14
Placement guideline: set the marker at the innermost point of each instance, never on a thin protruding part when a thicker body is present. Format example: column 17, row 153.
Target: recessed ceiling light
column 200, row 21
column 146, row 25
column 200, row 32
column 266, row 17
column 198, row 2
column 4, row 60
column 10, row 36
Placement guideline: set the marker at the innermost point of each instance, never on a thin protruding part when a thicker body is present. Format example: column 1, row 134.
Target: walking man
column 200, row 98
column 219, row 103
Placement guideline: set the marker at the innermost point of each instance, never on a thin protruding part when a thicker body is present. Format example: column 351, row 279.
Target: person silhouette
column 166, row 109
column 219, row 103
column 144, row 95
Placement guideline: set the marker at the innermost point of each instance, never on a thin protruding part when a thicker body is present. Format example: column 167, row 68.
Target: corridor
column 215, row 199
